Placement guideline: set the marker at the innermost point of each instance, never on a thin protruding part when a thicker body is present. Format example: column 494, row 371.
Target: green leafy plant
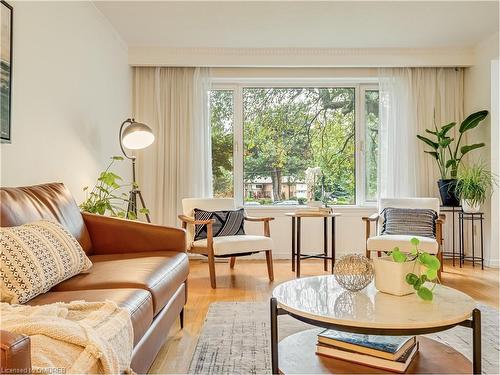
column 105, row 196
column 430, row 263
column 448, row 155
column 474, row 183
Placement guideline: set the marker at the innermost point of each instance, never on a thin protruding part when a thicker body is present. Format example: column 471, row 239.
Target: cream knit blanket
column 74, row 338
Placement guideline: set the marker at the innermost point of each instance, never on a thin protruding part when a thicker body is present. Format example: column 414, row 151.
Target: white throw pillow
column 35, row 257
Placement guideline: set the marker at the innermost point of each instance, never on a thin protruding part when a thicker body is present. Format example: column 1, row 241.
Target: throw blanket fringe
column 78, row 337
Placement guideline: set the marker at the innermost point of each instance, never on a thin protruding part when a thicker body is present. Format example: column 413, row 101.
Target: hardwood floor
column 248, row 281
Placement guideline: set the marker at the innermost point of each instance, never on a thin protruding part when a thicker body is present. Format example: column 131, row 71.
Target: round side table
column 297, row 255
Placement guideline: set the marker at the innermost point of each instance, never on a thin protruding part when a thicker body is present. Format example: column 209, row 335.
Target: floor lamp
column 135, row 136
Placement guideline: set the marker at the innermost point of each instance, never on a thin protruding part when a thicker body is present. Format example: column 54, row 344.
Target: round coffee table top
column 322, row 299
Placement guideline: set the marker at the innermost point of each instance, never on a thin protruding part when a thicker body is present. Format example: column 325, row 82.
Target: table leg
column 453, row 238
column 461, row 239
column 274, row 335
column 293, row 244
column 473, row 238
column 297, row 273
column 482, row 248
column 476, row 341
column 325, row 243
column 333, row 242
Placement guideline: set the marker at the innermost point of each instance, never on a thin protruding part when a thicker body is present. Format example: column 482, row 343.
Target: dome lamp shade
column 137, row 136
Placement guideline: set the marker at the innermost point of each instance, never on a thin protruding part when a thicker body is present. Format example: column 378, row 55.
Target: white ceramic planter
column 469, row 207
column 390, row 276
column 315, row 204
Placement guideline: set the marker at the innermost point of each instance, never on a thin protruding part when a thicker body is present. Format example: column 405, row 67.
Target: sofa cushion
column 159, row 272
column 388, row 242
column 409, row 221
column 34, row 257
column 225, row 223
column 23, row 205
column 228, row 245
column 138, row 301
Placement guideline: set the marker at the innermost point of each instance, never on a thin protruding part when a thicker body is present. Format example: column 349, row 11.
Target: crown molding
column 300, row 57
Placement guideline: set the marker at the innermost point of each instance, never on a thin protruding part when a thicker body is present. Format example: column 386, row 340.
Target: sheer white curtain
column 410, row 100
column 174, row 103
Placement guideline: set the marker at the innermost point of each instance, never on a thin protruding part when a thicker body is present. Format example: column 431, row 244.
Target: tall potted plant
column 449, row 154
column 473, row 187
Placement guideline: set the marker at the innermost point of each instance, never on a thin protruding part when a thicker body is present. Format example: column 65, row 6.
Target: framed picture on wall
column 5, row 71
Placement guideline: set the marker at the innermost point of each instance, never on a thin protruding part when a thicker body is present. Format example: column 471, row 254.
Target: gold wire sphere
column 353, row 272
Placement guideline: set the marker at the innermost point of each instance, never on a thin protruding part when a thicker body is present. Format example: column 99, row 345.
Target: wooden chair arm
column 373, row 217
column 192, row 220
column 252, row 218
column 265, row 220
column 441, row 219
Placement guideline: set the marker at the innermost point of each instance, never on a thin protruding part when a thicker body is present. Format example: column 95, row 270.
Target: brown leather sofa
column 142, row 267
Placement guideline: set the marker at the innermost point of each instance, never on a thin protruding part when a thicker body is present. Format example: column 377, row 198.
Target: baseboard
column 492, row 263
column 259, row 256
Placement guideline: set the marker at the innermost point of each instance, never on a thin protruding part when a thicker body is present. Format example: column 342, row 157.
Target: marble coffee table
column 320, row 301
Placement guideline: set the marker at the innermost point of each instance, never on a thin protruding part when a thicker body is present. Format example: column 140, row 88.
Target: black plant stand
column 464, row 217
column 452, row 253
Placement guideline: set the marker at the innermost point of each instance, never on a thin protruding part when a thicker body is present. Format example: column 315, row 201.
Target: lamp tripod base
column 132, row 203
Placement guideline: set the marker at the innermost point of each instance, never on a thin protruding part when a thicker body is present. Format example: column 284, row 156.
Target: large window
column 283, row 145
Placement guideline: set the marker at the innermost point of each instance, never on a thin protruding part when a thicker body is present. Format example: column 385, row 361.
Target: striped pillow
column 409, row 221
column 227, row 223
column 35, row 257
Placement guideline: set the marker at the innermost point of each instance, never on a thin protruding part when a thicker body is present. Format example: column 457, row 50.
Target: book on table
column 387, row 347
column 400, row 365
column 393, row 353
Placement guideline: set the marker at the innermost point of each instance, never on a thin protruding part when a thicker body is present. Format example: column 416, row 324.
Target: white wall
column 478, row 85
column 71, row 91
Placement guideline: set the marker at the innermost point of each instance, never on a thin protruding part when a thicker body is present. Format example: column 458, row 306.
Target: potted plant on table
column 473, row 187
column 401, row 274
column 449, row 154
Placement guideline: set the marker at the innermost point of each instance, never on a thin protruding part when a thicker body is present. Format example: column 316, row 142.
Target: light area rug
column 235, row 339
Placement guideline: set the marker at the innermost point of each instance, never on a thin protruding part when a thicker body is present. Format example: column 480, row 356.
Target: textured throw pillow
column 227, row 223
column 35, row 257
column 410, row 221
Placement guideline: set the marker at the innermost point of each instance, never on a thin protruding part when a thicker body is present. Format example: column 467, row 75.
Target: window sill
column 339, row 208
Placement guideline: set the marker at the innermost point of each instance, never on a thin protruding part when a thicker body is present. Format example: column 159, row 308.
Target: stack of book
column 392, row 353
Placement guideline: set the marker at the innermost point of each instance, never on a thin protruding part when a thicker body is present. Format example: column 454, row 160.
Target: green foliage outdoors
column 286, row 131
column 221, row 119
column 448, row 157
column 105, row 197
column 4, row 97
column 475, row 183
column 431, row 264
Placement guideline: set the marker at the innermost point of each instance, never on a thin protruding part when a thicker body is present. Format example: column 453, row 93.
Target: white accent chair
column 225, row 246
column 387, row 242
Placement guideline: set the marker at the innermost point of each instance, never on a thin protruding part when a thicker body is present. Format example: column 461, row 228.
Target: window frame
column 362, row 92
column 359, row 85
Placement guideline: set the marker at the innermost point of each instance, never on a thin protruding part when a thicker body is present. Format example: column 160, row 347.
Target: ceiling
column 306, row 24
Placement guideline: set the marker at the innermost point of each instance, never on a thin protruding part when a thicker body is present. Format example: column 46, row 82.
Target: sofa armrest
column 111, row 235
column 15, row 353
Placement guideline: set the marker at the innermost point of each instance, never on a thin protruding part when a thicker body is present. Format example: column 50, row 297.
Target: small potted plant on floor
column 401, row 274
column 473, row 187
